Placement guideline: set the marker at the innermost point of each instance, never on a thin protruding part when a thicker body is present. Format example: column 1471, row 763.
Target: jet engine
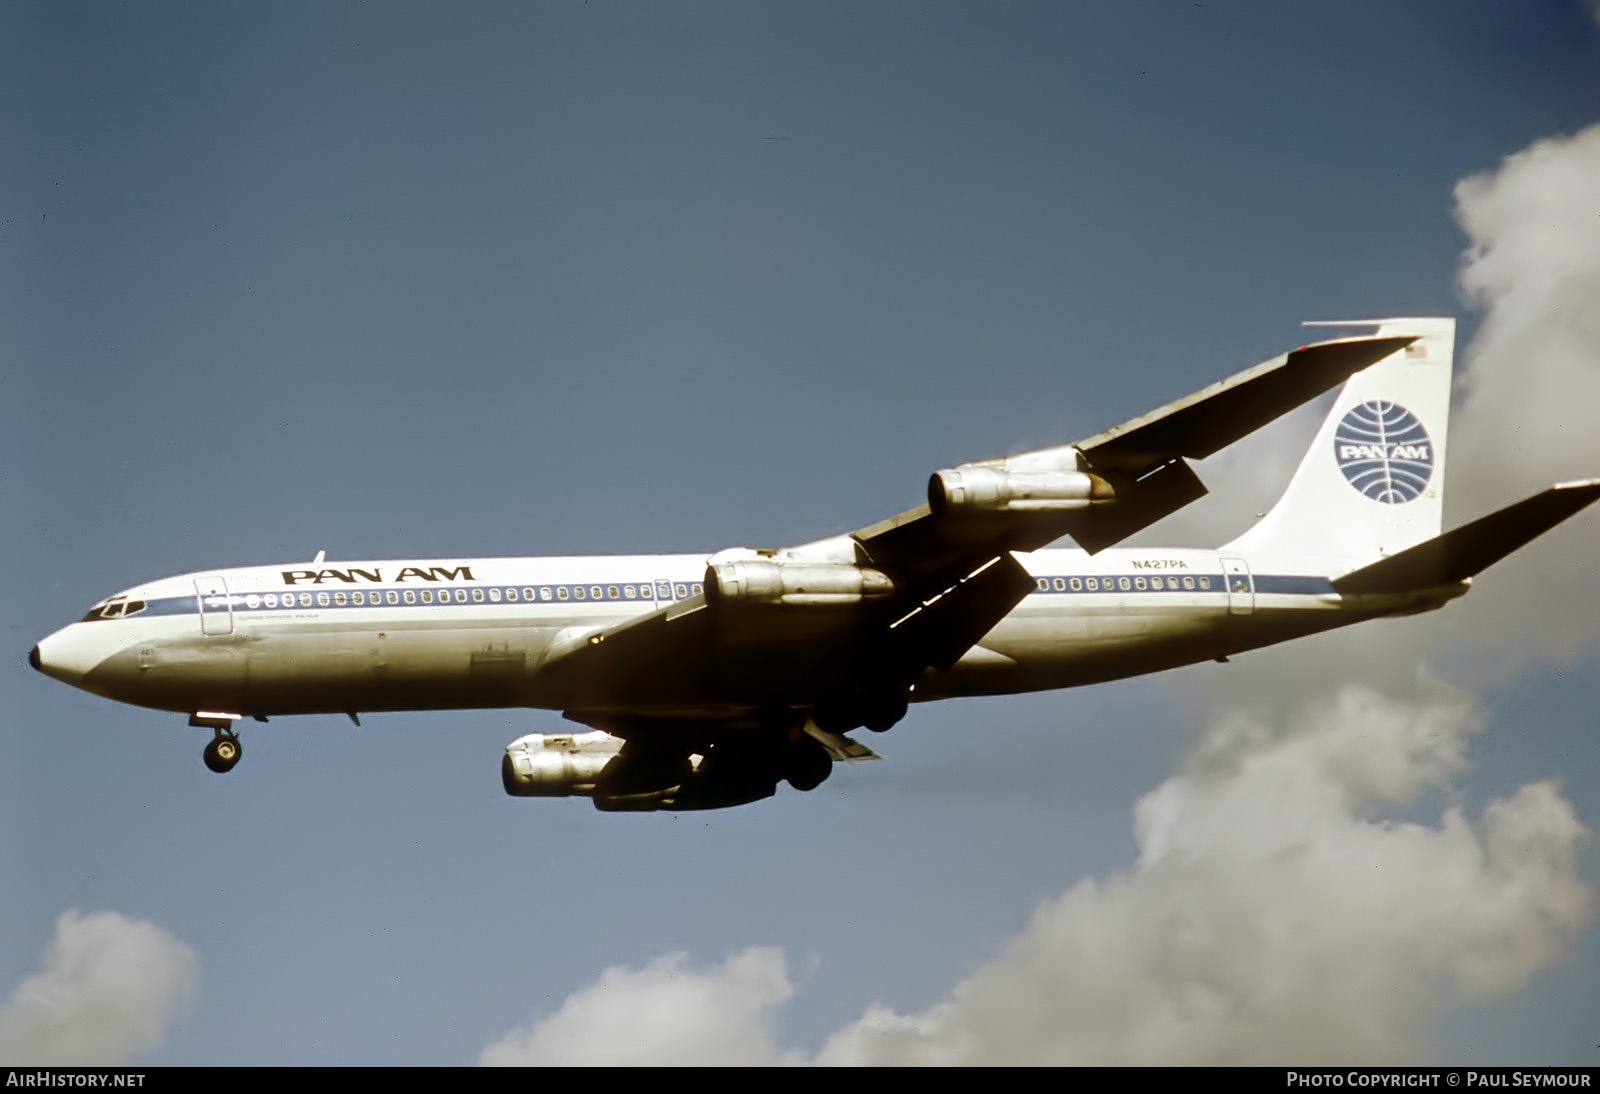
column 1006, row 490
column 758, row 581
column 557, row 765
column 591, row 765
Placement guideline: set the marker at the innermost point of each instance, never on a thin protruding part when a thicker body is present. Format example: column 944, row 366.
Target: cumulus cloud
column 1291, row 901
column 668, row 1012
column 108, row 988
column 1270, row 918
column 1532, row 376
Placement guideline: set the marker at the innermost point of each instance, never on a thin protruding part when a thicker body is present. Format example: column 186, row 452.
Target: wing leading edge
column 1138, row 470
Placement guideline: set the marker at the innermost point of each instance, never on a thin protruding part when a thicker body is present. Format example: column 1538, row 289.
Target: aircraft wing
column 1138, row 467
column 863, row 615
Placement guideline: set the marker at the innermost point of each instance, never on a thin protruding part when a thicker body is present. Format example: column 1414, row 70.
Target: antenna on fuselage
column 320, row 556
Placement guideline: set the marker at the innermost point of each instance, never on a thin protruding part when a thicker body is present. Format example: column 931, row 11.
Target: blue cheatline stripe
column 340, row 598
column 1281, row 583
column 1088, row 585
column 550, row 595
column 1290, row 584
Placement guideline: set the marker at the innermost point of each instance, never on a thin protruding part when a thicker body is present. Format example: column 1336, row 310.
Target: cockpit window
column 114, row 608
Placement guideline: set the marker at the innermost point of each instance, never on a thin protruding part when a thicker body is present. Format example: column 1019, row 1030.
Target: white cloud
column 108, row 988
column 1532, row 376
column 665, row 1013
column 1270, row 918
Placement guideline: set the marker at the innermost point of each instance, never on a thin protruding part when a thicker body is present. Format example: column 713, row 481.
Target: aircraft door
column 669, row 592
column 1241, row 586
column 216, row 606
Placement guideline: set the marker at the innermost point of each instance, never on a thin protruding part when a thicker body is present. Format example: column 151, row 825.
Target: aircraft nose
column 65, row 656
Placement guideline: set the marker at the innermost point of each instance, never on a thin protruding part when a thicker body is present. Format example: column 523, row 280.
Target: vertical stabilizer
column 1372, row 483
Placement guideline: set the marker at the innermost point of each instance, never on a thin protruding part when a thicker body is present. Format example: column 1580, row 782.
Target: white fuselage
column 330, row 637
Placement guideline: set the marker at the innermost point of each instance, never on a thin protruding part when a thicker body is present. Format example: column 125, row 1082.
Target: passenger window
column 681, row 590
column 494, row 595
column 697, row 589
column 1043, row 584
column 427, row 596
column 627, row 592
column 411, row 596
column 1138, row 583
column 1205, row 583
column 1060, row 584
column 1077, row 584
column 1094, row 584
column 322, row 600
column 577, row 592
column 461, row 596
column 612, row 593
column 358, row 598
column 338, row 598
column 594, row 592
column 544, row 593
column 1188, row 583
column 477, row 595
column 1122, row 583
column 663, row 590
column 562, row 592
column 511, row 594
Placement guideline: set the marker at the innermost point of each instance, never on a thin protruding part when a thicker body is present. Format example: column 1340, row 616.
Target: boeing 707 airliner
column 704, row 681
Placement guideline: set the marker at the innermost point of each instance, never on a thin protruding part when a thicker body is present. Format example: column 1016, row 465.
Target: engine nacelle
column 1004, row 490
column 758, row 581
column 557, row 765
column 551, row 765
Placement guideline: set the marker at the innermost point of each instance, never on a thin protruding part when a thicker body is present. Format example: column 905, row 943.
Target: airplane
column 704, row 681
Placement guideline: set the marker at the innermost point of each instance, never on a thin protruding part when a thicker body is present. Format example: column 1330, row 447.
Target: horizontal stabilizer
column 1457, row 555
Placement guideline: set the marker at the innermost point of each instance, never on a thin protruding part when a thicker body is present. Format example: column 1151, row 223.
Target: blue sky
column 492, row 279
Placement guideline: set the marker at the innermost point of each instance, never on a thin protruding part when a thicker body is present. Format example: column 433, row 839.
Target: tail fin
column 1372, row 483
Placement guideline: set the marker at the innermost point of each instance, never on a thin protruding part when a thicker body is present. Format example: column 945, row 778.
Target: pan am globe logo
column 1383, row 450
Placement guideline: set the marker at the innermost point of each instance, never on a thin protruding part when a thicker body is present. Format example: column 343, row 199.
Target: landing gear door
column 216, row 607
column 1241, row 586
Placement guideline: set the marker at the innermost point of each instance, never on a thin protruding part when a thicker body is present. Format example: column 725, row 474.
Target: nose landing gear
column 223, row 752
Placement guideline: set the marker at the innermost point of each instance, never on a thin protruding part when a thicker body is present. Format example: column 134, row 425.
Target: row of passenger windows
column 662, row 590
column 1123, row 584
